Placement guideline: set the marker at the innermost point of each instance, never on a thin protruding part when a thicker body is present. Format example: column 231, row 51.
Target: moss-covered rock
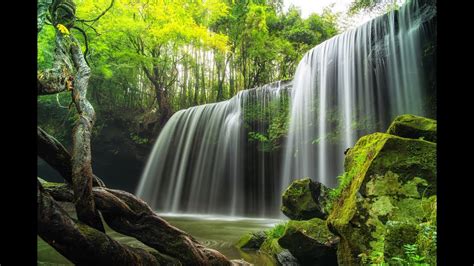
column 310, row 242
column 267, row 243
column 397, row 235
column 413, row 127
column 251, row 240
column 305, row 199
column 282, row 256
column 393, row 180
column 285, row 258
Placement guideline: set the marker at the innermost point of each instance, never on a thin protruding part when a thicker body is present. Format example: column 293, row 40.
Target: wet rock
column 286, row 258
column 310, row 242
column 305, row 199
column 252, row 240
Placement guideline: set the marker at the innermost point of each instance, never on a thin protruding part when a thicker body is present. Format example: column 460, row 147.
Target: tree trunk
column 54, row 153
column 81, row 143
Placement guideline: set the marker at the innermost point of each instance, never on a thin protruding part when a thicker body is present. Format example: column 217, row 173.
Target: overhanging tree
column 84, row 241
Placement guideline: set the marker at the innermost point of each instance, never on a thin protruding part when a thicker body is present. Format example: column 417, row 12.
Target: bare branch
column 101, row 14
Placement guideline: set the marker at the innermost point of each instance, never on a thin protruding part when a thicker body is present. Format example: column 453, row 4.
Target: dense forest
column 150, row 59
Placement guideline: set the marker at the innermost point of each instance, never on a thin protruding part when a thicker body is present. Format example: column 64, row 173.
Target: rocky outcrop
column 251, row 241
column 305, row 199
column 390, row 199
column 414, row 127
column 310, row 242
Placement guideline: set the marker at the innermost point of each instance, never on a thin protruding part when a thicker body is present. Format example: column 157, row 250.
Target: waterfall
column 228, row 157
column 200, row 161
column 355, row 84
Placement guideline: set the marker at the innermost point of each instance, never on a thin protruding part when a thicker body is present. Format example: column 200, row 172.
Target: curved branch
column 84, row 245
column 86, row 42
column 128, row 215
column 101, row 14
column 56, row 155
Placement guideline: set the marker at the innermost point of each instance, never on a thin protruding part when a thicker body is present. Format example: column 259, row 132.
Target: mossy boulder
column 398, row 234
column 251, row 241
column 305, row 199
column 282, row 256
column 392, row 179
column 310, row 242
column 267, row 243
column 413, row 127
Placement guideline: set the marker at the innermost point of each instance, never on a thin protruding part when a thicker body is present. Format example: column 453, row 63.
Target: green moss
column 277, row 231
column 271, row 247
column 297, row 201
column 415, row 127
column 358, row 160
column 310, row 242
column 398, row 234
column 408, row 158
column 315, row 228
column 47, row 184
column 243, row 241
column 412, row 187
column 386, row 185
column 382, row 206
column 387, row 179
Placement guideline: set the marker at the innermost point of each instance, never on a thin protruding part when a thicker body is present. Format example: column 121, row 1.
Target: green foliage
column 45, row 47
column 369, row 5
column 343, row 181
column 137, row 139
column 277, row 231
column 270, row 119
column 196, row 52
column 412, row 256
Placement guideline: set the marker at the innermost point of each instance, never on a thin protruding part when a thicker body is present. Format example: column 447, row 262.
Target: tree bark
column 59, row 78
column 81, row 144
column 56, row 155
column 84, row 242
column 84, row 245
column 128, row 215
column 131, row 216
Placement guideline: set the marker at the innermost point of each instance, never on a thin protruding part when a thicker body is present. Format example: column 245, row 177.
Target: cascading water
column 200, row 161
column 355, row 84
column 224, row 158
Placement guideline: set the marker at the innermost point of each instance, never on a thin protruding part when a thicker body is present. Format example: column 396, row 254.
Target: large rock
column 393, row 179
column 267, row 242
column 413, row 127
column 310, row 242
column 251, row 241
column 305, row 199
column 282, row 256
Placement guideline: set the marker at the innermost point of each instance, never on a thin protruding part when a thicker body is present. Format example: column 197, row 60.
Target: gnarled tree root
column 128, row 215
column 84, row 245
